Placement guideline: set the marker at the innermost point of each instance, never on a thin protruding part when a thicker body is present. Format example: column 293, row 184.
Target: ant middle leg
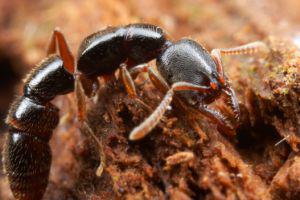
column 128, row 82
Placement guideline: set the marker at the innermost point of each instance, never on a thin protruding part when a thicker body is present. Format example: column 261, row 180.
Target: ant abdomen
column 30, row 116
column 27, row 155
column 27, row 161
column 31, row 120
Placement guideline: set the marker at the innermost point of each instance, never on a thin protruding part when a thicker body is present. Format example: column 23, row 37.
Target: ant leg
column 81, row 115
column 145, row 127
column 100, row 147
column 68, row 117
column 127, row 81
column 90, row 84
column 138, row 69
column 130, row 87
column 216, row 117
column 158, row 81
column 80, row 100
column 57, row 38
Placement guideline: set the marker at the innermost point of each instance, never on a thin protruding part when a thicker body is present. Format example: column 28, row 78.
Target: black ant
column 185, row 65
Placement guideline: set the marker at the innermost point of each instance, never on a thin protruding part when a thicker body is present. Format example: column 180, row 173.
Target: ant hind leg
column 81, row 115
column 127, row 80
column 57, row 38
column 102, row 164
column 80, row 100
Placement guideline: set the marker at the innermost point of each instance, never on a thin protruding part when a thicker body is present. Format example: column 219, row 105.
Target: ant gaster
column 189, row 69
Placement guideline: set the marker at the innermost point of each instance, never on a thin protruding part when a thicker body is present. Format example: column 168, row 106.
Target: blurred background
column 25, row 27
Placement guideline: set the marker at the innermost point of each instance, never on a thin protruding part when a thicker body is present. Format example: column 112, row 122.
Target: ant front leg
column 145, row 127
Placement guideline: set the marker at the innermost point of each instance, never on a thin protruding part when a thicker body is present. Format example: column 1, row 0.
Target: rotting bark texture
column 172, row 162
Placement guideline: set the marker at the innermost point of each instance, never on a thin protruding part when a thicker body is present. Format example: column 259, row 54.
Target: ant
column 192, row 72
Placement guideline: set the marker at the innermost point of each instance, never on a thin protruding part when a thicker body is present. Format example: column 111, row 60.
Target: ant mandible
column 186, row 66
